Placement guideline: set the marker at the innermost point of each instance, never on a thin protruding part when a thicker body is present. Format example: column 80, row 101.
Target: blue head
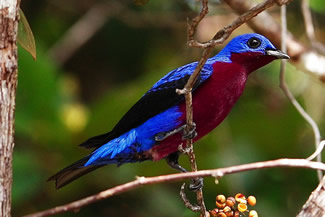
column 251, row 50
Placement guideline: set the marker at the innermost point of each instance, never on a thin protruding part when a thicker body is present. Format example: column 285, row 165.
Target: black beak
column 278, row 54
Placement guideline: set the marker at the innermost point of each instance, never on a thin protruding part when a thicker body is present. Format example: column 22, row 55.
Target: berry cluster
column 234, row 206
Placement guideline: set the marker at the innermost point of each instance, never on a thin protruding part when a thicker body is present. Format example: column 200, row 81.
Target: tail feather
column 72, row 172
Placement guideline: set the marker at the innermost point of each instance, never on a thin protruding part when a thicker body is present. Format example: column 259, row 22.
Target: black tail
column 72, row 172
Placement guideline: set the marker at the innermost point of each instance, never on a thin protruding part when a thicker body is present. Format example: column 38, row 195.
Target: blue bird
column 153, row 128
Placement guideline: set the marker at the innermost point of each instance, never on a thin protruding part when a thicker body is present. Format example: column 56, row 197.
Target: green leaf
column 140, row 2
column 317, row 5
column 25, row 35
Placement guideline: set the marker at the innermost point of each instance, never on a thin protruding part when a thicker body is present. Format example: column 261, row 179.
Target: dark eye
column 254, row 42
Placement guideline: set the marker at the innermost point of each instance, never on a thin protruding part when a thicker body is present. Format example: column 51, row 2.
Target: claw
column 172, row 160
column 191, row 134
column 196, row 184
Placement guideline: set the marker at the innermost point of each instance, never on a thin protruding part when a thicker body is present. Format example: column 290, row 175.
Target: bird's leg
column 172, row 161
column 163, row 135
column 186, row 135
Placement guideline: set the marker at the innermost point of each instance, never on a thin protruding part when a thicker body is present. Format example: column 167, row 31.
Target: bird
column 153, row 128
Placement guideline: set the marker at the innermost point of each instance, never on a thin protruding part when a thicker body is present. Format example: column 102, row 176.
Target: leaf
column 25, row 35
column 140, row 2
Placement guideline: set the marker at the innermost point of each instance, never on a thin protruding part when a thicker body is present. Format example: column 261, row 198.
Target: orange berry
column 240, row 195
column 221, row 198
column 253, row 213
column 226, row 209
column 230, row 201
column 236, row 214
column 221, row 214
column 242, row 207
column 220, row 205
column 240, row 198
column 230, row 214
column 251, row 200
column 214, row 212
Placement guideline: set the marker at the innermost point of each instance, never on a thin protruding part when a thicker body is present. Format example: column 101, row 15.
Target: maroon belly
column 212, row 102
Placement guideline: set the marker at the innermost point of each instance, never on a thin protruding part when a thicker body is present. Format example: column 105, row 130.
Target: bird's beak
column 278, row 54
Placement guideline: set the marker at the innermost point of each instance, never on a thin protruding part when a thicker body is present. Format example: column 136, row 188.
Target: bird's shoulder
column 180, row 76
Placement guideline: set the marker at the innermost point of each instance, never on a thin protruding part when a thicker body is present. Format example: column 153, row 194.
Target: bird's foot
column 196, row 184
column 191, row 134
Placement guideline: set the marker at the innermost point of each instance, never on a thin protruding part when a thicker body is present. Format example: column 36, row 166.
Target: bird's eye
column 254, row 42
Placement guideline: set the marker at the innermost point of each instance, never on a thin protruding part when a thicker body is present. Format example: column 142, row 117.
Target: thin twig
column 192, row 26
column 309, row 26
column 187, row 203
column 224, row 33
column 218, row 38
column 140, row 181
column 288, row 93
column 189, row 147
column 318, row 151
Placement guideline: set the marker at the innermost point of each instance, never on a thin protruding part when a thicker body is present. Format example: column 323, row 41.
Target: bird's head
column 252, row 51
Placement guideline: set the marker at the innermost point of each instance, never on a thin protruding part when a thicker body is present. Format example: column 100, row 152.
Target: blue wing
column 158, row 99
column 135, row 131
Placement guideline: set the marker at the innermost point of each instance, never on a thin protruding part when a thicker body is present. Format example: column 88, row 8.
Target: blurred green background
column 97, row 58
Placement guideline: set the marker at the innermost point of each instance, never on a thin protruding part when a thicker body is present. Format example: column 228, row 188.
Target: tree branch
column 216, row 173
column 315, row 205
column 191, row 29
column 8, row 83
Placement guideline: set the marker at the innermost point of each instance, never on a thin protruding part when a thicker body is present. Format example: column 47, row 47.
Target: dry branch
column 315, row 205
column 191, row 29
column 216, row 173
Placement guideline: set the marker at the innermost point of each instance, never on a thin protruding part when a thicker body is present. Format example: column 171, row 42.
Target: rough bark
column 315, row 205
column 8, row 83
